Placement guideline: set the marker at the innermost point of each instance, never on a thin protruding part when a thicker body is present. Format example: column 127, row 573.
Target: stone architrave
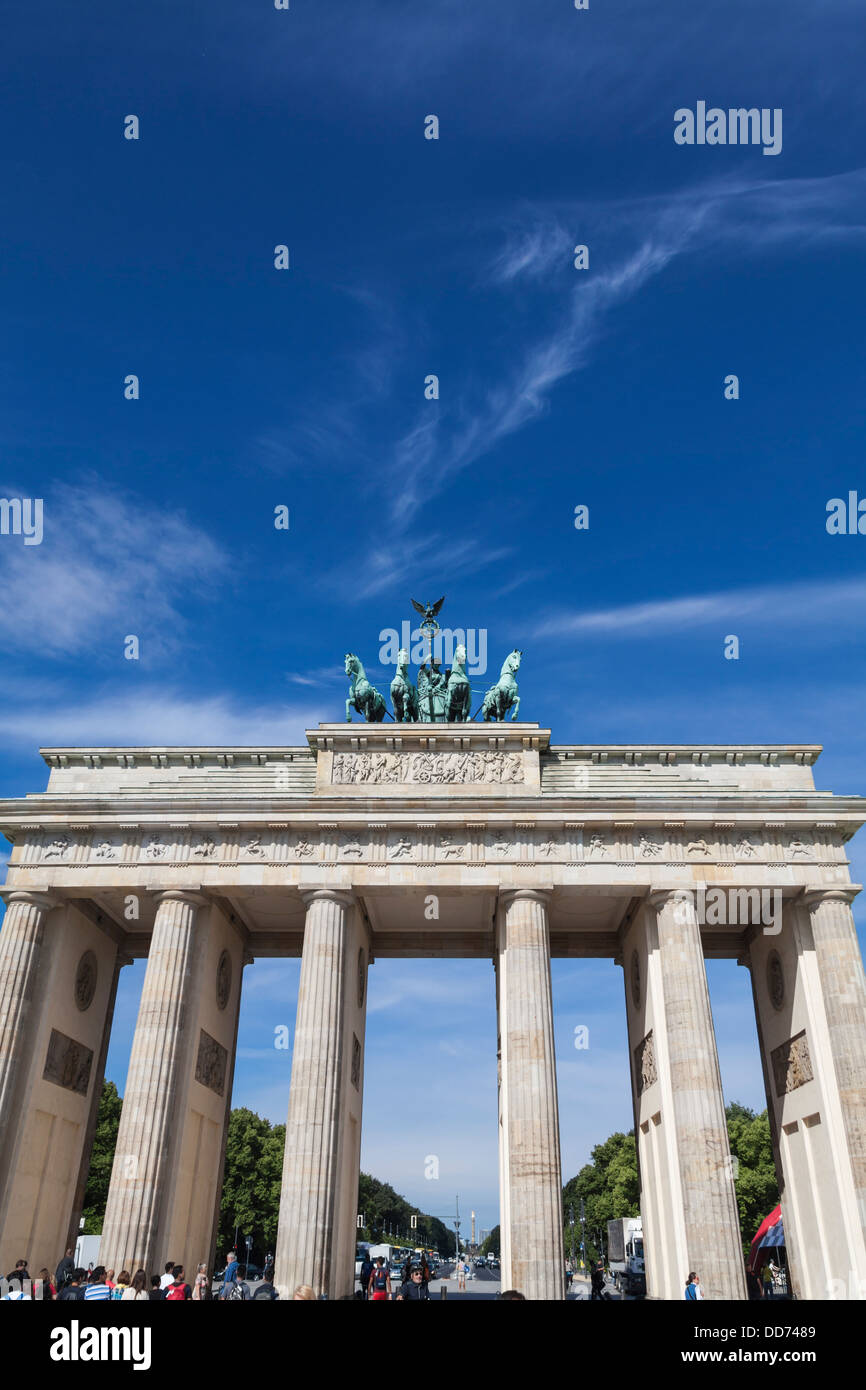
column 530, row 1170
column 143, row 1175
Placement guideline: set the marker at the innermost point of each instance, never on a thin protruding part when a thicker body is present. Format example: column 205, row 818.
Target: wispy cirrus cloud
column 641, row 238
column 109, row 563
column 772, row 605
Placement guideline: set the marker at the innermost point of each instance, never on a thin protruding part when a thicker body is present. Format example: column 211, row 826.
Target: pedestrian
column 231, row 1274
column 753, row 1284
column 303, row 1294
column 568, row 1278
column 693, row 1286
column 167, row 1276
column 366, row 1271
column 137, row 1290
column 596, row 1280
column 201, row 1285
column 44, row 1287
column 178, row 1289
column 268, row 1271
column 461, row 1275
column 97, row 1288
column 426, row 1271
column 109, row 1278
column 73, row 1289
column 124, row 1279
column 64, row 1270
column 512, row 1295
column 380, row 1282
column 414, row 1287
column 20, row 1273
column 157, row 1292
column 767, row 1279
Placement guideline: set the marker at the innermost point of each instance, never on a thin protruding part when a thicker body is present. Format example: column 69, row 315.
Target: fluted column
column 530, row 1170
column 840, row 968
column 142, row 1175
column 311, row 1176
column 21, row 949
column 688, row 1051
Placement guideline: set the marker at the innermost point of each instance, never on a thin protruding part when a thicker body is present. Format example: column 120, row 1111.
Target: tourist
column 366, row 1271
column 513, row 1295
column 268, row 1271
column 44, row 1287
column 414, row 1288
column 109, row 1278
column 124, row 1279
column 137, row 1290
column 201, row 1285
column 178, row 1290
column 461, row 1275
column 596, row 1280
column 64, row 1270
column 767, row 1279
column 168, row 1275
column 20, row 1273
column 73, row 1289
column 380, row 1282
column 753, row 1284
column 303, row 1294
column 156, row 1290
column 231, row 1274
column 426, row 1272
column 693, row 1286
column 97, row 1288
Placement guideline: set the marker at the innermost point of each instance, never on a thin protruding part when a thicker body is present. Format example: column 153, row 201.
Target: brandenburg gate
column 429, row 840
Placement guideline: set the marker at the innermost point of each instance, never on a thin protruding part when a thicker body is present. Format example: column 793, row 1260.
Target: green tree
column 492, row 1243
column 756, row 1185
column 609, row 1188
column 385, row 1210
column 101, row 1158
column 253, row 1170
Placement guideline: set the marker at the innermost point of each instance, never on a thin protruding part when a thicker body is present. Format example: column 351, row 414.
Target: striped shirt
column 97, row 1291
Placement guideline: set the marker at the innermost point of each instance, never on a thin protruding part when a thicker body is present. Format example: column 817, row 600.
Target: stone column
column 840, row 969
column 309, row 1197
column 21, row 950
column 530, row 1174
column 685, row 1046
column 142, row 1177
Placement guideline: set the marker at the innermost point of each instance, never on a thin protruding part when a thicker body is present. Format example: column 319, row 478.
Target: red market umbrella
column 770, row 1233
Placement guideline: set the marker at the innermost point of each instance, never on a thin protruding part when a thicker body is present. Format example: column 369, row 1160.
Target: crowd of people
column 71, row 1282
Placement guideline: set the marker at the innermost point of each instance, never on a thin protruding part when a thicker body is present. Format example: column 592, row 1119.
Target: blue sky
column 557, row 387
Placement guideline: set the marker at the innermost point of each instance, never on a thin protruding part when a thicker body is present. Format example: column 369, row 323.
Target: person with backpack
column 177, row 1289
column 73, row 1289
column 693, row 1286
column 366, row 1271
column 63, row 1273
column 231, row 1274
column 380, row 1282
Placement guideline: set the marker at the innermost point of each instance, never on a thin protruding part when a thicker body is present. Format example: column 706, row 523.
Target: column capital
column 660, row 897
column 814, row 897
column 508, row 896
column 345, row 897
column 179, row 895
column 35, row 899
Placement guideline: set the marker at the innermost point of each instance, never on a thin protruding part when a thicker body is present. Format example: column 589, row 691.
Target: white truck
column 625, row 1254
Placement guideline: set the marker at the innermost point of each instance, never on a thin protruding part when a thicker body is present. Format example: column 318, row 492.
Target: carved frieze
column 645, row 1064
column 211, row 1063
column 68, row 1063
column 792, row 1064
column 438, row 768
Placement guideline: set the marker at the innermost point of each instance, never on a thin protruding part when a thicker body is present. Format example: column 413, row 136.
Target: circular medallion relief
column 775, row 980
column 362, row 968
column 224, row 979
column 635, row 979
column 85, row 981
